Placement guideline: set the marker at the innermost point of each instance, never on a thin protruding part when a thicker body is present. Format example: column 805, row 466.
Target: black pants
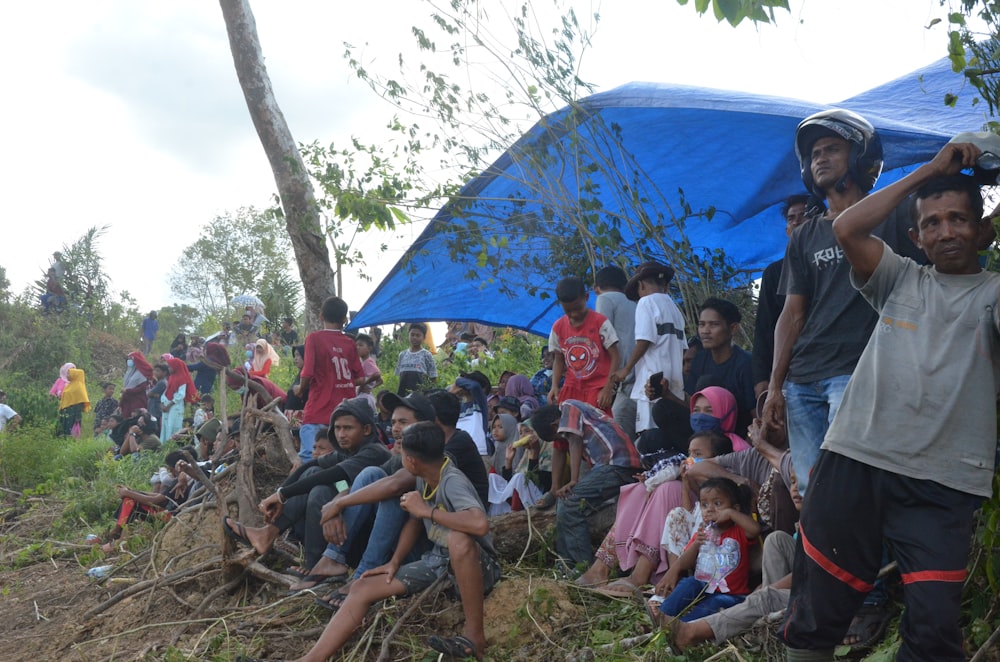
column 849, row 508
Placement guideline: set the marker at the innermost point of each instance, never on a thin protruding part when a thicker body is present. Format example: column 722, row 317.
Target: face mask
column 249, row 354
column 705, row 423
column 130, row 363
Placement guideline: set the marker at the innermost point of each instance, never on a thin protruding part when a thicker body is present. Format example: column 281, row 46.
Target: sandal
column 332, row 601
column 458, row 647
column 314, row 581
column 868, row 627
column 656, row 617
column 620, row 588
column 239, row 534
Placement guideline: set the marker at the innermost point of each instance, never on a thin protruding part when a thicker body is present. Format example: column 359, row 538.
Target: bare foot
column 329, row 567
column 690, row 634
column 596, row 575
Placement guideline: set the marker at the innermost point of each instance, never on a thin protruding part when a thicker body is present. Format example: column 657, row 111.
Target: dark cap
column 479, row 378
column 418, row 402
column 510, row 403
column 648, row 270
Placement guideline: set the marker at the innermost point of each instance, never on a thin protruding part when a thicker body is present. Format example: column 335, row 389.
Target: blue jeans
column 603, row 482
column 388, row 518
column 687, row 592
column 810, row 409
column 307, row 439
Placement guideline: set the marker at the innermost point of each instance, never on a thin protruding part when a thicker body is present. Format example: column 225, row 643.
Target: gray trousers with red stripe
column 849, row 508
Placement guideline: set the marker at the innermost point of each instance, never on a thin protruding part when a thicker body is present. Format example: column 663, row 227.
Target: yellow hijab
column 76, row 391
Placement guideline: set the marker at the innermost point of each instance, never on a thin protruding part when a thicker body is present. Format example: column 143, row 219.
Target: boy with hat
column 659, row 338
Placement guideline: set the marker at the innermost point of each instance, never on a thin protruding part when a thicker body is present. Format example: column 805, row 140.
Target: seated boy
column 297, row 503
column 446, row 505
column 588, row 433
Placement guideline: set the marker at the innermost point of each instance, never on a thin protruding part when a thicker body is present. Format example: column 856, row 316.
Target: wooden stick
column 141, row 586
column 433, row 589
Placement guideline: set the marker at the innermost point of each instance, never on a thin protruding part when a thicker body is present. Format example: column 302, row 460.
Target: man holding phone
column 659, row 339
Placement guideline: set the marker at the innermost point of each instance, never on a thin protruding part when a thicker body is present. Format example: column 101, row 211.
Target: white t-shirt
column 6, row 413
column 658, row 320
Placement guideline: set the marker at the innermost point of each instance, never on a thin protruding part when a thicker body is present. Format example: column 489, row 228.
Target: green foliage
column 978, row 58
column 237, row 253
column 511, row 351
column 735, row 11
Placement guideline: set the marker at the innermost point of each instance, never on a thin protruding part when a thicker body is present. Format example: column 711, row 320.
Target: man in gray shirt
column 910, row 454
column 609, row 283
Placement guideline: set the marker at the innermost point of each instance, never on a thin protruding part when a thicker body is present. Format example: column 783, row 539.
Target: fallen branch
column 149, row 583
column 225, row 588
column 433, row 589
column 986, row 647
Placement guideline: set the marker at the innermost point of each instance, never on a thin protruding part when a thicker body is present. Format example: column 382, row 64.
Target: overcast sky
column 129, row 114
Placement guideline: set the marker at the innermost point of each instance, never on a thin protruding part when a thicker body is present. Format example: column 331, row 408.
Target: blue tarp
column 729, row 150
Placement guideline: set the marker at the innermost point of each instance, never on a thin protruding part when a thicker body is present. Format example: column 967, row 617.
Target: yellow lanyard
column 428, row 497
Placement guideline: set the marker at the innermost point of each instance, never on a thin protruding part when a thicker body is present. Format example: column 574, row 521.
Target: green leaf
column 933, row 22
column 956, row 18
column 701, row 6
column 731, row 10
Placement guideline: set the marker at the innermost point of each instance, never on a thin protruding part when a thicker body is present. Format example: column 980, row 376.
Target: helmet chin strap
column 842, row 184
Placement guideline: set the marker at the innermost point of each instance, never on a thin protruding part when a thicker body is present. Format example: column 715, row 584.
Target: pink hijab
column 60, row 384
column 723, row 408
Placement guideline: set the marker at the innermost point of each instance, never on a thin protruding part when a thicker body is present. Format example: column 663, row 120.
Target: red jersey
column 332, row 364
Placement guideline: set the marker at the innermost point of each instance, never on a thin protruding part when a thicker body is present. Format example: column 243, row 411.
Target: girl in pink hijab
column 60, row 384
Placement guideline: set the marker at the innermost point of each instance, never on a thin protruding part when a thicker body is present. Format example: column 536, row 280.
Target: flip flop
column 297, row 571
column 620, row 588
column 237, row 535
column 333, row 600
column 316, row 580
column 655, row 615
column 458, row 647
column 868, row 625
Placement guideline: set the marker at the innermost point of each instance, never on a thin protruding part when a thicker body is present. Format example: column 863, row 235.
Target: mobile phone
column 341, row 485
column 656, row 384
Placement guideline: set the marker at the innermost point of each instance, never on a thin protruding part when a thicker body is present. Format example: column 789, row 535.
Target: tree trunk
column 298, row 200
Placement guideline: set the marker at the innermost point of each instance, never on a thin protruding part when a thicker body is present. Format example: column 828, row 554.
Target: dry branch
column 166, row 580
column 430, row 591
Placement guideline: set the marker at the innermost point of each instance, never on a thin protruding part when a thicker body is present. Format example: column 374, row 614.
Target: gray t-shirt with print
column 922, row 400
column 454, row 494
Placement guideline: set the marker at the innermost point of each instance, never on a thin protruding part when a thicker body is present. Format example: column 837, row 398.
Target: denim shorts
column 418, row 575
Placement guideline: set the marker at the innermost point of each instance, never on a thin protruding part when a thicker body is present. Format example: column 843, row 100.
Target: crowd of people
column 708, row 453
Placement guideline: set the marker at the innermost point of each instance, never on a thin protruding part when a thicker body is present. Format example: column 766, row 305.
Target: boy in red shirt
column 585, row 346
column 331, row 370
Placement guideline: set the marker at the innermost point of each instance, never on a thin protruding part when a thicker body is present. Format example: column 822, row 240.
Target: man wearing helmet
column 824, row 323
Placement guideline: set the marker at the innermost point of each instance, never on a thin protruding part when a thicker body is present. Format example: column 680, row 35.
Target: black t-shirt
column 463, row 451
column 735, row 374
column 838, row 320
column 769, row 305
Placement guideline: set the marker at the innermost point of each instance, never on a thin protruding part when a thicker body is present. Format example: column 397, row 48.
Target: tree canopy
column 239, row 252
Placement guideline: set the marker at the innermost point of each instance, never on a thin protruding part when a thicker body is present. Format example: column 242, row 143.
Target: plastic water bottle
column 99, row 572
column 712, row 534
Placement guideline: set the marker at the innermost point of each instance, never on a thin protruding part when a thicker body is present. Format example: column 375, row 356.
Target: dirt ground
column 46, row 607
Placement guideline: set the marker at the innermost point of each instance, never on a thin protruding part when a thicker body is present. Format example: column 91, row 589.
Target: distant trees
column 239, row 252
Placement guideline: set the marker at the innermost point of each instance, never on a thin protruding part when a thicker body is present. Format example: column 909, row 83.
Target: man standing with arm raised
column 911, row 452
